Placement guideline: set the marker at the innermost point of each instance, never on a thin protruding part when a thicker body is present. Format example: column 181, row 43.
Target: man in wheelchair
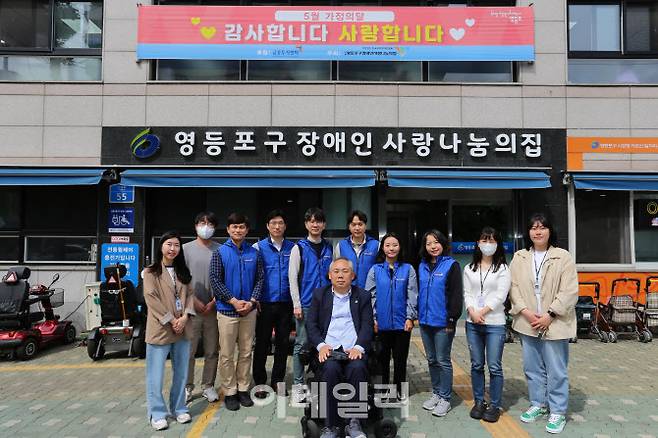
column 340, row 327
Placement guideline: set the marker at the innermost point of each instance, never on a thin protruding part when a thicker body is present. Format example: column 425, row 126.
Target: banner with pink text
column 336, row 33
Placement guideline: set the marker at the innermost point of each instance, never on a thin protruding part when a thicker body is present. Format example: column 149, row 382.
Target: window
column 464, row 71
column 645, row 212
column 594, row 28
column 189, row 70
column 25, row 24
column 613, row 41
column 48, row 224
column 10, row 208
column 373, row 71
column 602, row 227
column 44, row 40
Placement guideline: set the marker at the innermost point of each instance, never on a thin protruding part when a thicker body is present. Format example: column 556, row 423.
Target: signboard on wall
column 121, row 194
column 358, row 33
column 121, row 220
column 578, row 146
column 336, row 146
column 123, row 253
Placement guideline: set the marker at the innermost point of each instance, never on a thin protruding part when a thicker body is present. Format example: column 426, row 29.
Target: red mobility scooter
column 24, row 331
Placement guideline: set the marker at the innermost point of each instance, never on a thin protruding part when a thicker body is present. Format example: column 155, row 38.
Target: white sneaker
column 441, row 408
column 184, row 418
column 432, row 402
column 160, row 424
column 298, row 394
column 210, row 394
column 188, row 395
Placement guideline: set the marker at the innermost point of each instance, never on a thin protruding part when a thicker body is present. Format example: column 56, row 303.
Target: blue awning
column 616, row 181
column 469, row 179
column 249, row 178
column 37, row 176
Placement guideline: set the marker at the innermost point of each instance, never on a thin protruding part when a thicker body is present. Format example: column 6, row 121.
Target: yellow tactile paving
column 505, row 427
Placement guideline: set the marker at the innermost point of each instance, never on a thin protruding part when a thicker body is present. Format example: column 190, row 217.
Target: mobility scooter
column 24, row 331
column 122, row 318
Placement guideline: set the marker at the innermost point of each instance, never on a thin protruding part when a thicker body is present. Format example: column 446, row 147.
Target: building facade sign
column 580, row 149
column 356, row 33
column 336, row 146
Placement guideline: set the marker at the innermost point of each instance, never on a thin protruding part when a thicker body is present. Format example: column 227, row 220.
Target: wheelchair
column 382, row 426
column 122, row 318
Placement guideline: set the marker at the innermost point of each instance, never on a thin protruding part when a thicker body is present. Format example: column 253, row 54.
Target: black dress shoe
column 478, row 410
column 245, row 399
column 261, row 394
column 231, row 402
column 491, row 415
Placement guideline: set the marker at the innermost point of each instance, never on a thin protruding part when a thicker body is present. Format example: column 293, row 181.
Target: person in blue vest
column 393, row 287
column 275, row 302
column 440, row 301
column 236, row 278
column 358, row 247
column 309, row 265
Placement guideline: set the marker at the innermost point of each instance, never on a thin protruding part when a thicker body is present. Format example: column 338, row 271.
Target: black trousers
column 396, row 342
column 352, row 372
column 277, row 316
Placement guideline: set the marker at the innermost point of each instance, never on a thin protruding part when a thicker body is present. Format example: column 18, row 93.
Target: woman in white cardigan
column 486, row 285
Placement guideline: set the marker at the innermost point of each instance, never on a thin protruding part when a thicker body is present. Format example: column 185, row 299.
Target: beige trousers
column 234, row 377
column 204, row 327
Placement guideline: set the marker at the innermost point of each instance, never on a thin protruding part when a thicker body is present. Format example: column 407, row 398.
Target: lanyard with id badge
column 178, row 302
column 481, row 296
column 537, row 285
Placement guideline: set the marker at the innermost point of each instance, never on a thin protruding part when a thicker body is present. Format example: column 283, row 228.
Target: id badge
column 179, row 305
column 481, row 301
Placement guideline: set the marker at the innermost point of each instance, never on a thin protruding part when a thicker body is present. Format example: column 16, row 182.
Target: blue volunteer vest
column 432, row 308
column 391, row 293
column 240, row 270
column 314, row 271
column 364, row 261
column 276, row 287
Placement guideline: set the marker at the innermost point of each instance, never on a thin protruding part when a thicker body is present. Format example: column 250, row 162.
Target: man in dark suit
column 340, row 321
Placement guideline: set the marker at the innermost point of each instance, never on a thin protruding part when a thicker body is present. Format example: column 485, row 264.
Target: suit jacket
column 161, row 302
column 319, row 316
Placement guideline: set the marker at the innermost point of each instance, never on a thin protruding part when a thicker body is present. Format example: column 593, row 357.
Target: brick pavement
column 614, row 393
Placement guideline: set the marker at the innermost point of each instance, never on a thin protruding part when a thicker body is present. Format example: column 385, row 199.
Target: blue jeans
column 438, row 344
column 486, row 340
column 156, row 355
column 545, row 365
column 300, row 339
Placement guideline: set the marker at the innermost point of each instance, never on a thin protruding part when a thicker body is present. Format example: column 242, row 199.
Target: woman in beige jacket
column 170, row 304
column 543, row 296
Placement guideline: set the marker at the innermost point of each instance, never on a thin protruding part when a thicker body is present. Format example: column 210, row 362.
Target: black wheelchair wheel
column 386, row 428
column 310, row 429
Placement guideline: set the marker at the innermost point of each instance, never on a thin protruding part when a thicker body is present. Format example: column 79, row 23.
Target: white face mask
column 205, row 231
column 488, row 249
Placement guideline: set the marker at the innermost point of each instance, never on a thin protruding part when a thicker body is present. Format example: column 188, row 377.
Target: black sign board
column 331, row 146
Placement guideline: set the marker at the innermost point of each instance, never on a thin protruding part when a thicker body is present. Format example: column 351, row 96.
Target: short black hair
column 237, row 218
column 315, row 213
column 208, row 216
column 358, row 213
column 277, row 212
column 545, row 221
column 440, row 237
